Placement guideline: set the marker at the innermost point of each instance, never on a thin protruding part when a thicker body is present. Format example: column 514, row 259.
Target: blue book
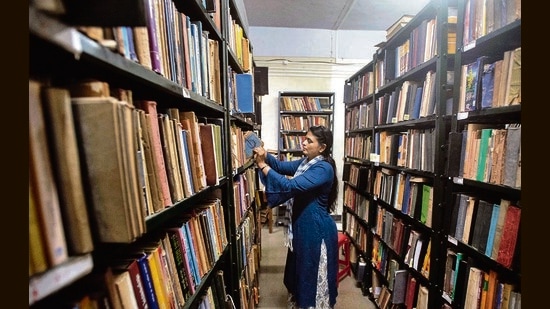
column 192, row 254
column 415, row 114
column 492, row 229
column 487, row 85
column 147, row 282
column 251, row 141
column 245, row 93
column 406, row 194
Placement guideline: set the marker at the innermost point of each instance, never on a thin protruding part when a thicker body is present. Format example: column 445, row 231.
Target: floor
column 272, row 291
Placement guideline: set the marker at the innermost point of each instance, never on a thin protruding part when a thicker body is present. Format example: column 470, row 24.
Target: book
column 125, row 289
column 245, row 92
column 484, row 152
column 65, row 155
column 399, row 286
column 42, row 181
column 492, row 229
column 169, row 152
column 154, row 49
column 487, row 85
column 116, row 197
column 473, row 289
column 511, row 154
column 508, row 241
column 469, row 215
column 252, row 141
column 481, row 225
column 504, row 204
column 411, row 291
column 37, row 256
column 206, row 132
column 422, row 298
column 513, row 84
column 159, row 166
column 191, row 124
column 472, row 87
column 147, row 281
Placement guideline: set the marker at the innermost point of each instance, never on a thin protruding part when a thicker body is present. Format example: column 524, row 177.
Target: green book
column 425, row 214
column 483, row 152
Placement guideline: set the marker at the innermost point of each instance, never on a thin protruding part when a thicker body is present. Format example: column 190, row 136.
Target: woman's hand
column 259, row 155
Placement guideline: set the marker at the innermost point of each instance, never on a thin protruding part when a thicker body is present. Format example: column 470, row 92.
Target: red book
column 150, row 107
column 411, row 292
column 509, row 236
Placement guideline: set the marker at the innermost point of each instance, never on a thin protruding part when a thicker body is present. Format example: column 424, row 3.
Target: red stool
column 344, row 267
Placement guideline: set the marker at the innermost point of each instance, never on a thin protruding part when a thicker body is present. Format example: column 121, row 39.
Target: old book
column 245, row 92
column 171, row 161
column 427, row 205
column 492, row 229
column 147, row 280
column 125, row 289
column 487, row 85
column 251, row 141
column 481, row 225
column 115, row 197
column 504, row 204
column 508, row 241
column 42, row 181
column 191, row 252
column 513, row 85
column 511, row 154
column 61, row 129
column 37, row 256
column 399, row 286
column 178, row 148
column 155, row 199
column 206, row 132
column 497, row 163
column 141, row 43
column 422, row 298
column 131, row 266
column 491, row 288
column 484, row 153
column 472, row 88
column 181, row 259
column 196, row 154
column 215, row 71
column 473, row 289
column 187, row 162
column 468, row 220
column 150, row 108
column 411, row 291
column 154, row 49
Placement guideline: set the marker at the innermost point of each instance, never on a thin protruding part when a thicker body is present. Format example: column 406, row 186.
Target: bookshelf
column 396, row 120
column 298, row 110
column 492, row 108
column 409, row 169
column 119, row 106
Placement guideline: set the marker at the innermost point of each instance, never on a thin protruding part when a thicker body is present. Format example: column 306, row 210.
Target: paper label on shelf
column 462, row 115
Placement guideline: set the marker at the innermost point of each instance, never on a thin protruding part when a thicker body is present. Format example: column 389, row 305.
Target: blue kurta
column 311, row 224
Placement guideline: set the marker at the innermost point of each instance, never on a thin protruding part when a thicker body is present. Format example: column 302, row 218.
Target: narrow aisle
column 272, row 290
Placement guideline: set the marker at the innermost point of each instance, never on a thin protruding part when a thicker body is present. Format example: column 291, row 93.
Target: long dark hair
column 324, row 136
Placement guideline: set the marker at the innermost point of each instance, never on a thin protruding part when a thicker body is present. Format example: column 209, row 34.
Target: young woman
column 310, row 195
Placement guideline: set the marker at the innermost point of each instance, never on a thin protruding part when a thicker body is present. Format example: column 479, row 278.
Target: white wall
column 310, row 60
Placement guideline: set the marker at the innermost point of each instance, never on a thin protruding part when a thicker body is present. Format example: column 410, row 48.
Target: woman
column 312, row 259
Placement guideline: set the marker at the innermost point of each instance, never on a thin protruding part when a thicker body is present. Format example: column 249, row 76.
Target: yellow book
column 158, row 282
column 37, row 257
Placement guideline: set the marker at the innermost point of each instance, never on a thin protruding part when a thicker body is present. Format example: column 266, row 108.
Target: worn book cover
column 252, row 141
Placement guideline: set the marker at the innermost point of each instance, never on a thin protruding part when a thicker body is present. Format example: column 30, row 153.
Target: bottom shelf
column 60, row 276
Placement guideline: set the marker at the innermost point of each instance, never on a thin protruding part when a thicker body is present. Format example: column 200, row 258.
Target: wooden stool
column 344, row 266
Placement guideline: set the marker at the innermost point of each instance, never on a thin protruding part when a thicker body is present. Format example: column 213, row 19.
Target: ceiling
column 369, row 15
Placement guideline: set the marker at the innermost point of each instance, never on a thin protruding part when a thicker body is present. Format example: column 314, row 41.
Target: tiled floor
column 272, row 291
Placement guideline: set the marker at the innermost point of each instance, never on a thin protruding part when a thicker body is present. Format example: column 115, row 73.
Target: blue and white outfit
column 312, row 258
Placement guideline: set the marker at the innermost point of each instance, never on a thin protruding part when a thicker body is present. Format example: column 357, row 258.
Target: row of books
column 491, row 84
column 402, row 239
column 468, row 286
column 418, row 48
column 302, row 123
column 292, row 142
column 359, row 203
column 179, row 49
column 304, row 103
column 490, row 228
column 484, row 17
column 407, row 293
column 491, row 154
column 411, row 100
column 413, row 149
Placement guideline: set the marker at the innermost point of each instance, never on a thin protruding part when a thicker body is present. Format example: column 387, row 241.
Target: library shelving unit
column 397, row 122
column 298, row 110
column 131, row 108
column 482, row 201
column 429, row 187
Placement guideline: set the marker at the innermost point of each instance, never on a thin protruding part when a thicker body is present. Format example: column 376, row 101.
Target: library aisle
column 272, row 264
